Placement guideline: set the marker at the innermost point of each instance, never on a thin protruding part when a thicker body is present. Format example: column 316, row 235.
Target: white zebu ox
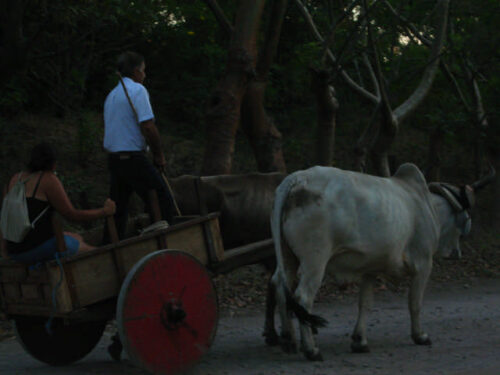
column 357, row 227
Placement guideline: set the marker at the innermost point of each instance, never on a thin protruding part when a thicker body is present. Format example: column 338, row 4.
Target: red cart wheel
column 167, row 312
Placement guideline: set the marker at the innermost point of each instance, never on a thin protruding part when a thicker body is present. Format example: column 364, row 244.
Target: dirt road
column 463, row 321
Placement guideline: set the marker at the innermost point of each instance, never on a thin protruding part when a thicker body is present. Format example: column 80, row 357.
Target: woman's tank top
column 43, row 227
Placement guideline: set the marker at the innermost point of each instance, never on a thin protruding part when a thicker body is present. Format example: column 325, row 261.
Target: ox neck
column 441, row 208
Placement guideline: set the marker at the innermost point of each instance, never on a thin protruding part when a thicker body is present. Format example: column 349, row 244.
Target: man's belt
column 125, row 155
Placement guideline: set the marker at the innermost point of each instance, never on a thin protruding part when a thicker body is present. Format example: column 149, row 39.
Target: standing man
column 129, row 126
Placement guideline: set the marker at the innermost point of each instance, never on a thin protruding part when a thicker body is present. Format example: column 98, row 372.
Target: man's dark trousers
column 133, row 172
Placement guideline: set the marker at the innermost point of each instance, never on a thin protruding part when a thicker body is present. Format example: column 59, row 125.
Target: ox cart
column 157, row 285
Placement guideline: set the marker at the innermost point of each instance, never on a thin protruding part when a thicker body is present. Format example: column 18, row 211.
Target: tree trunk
column 327, row 106
column 223, row 116
column 380, row 152
column 435, row 155
column 263, row 136
column 13, row 51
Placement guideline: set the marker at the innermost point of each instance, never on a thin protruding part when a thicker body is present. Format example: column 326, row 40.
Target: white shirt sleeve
column 142, row 105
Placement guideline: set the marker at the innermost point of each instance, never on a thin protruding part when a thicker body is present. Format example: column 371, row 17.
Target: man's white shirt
column 121, row 130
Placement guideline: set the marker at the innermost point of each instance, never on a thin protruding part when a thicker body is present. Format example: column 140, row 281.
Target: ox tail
column 282, row 283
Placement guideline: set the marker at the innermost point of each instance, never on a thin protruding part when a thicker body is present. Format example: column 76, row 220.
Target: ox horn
column 485, row 180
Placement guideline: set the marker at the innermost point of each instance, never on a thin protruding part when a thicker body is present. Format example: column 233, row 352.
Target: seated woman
column 44, row 189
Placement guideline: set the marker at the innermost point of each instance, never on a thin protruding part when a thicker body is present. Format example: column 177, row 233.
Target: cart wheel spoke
column 170, row 330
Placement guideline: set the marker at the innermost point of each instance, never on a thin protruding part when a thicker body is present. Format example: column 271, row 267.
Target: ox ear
column 437, row 188
column 468, row 194
column 464, row 223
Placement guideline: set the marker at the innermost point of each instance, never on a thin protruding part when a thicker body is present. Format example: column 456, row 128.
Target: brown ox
column 244, row 203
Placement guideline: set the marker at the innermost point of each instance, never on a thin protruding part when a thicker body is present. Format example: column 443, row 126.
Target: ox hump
column 410, row 173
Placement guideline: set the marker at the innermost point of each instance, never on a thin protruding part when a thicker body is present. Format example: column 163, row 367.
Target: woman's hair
column 127, row 62
column 43, row 157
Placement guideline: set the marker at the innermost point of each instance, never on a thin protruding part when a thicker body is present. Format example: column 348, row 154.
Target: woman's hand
column 109, row 207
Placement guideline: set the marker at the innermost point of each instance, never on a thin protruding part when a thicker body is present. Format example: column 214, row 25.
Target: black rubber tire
column 67, row 344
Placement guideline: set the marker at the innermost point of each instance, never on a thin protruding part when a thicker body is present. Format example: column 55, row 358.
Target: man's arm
column 152, row 136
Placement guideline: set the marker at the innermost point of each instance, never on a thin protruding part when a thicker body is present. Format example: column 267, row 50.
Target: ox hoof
column 314, row 355
column 357, row 347
column 422, row 339
column 272, row 339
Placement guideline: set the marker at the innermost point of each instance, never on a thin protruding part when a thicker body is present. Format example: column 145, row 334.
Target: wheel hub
column 172, row 315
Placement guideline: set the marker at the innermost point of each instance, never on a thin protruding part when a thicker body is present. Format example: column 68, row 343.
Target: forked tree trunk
column 327, row 106
column 259, row 127
column 223, row 116
column 392, row 119
column 380, row 152
column 263, row 136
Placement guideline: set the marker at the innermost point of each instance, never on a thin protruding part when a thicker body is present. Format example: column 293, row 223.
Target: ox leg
column 309, row 284
column 269, row 333
column 359, row 342
column 287, row 340
column 417, row 287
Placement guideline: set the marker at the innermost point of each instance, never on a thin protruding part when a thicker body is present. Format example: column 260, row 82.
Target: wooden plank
column 217, row 238
column 92, row 279
column 31, row 293
column 38, row 276
column 245, row 255
column 63, row 295
column 20, row 308
column 13, row 272
column 190, row 240
column 130, row 253
column 12, row 292
column 113, row 233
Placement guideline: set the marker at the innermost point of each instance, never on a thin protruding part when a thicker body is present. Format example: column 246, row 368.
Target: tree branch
column 430, row 72
column 356, row 87
column 272, row 38
column 446, row 70
column 386, row 106
column 331, row 35
column 220, row 16
column 413, row 30
column 372, row 74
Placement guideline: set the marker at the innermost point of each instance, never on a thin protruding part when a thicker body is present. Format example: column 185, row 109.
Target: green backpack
column 15, row 220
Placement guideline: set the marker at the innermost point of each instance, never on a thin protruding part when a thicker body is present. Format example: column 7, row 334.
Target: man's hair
column 127, row 62
column 43, row 157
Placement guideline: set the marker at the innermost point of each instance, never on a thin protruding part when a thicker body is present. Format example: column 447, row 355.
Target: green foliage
column 13, row 96
column 72, row 47
column 89, row 136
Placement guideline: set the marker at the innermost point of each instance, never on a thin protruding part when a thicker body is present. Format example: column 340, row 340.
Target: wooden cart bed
column 97, row 275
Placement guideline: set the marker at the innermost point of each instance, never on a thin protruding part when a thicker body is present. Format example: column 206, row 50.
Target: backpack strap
column 40, row 215
column 38, row 183
column 45, row 209
column 19, row 177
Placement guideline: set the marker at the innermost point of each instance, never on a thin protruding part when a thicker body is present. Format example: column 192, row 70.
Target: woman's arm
column 57, row 197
